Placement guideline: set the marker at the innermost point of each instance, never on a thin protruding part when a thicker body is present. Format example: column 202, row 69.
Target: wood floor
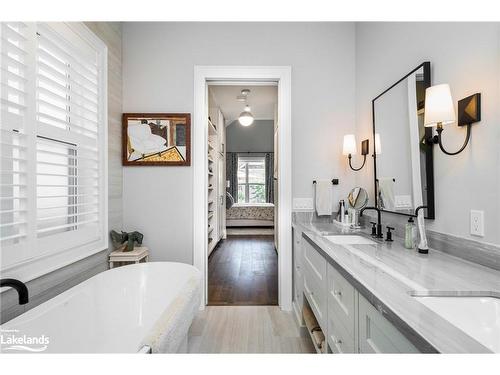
column 247, row 329
column 243, row 270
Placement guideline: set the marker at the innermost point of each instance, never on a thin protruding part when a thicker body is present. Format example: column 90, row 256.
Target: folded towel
column 324, row 199
column 386, row 193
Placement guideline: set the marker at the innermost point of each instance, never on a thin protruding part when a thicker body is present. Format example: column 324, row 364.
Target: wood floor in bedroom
column 247, row 329
column 243, row 270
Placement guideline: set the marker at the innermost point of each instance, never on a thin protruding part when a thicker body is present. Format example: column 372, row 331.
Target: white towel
column 324, row 201
column 386, row 193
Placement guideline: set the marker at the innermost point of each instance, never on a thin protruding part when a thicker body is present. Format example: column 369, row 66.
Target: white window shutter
column 13, row 139
column 53, row 133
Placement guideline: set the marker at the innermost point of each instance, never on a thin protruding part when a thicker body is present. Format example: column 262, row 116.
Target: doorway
column 242, row 161
column 243, row 75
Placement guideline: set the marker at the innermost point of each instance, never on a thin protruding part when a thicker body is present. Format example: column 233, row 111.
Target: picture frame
column 156, row 139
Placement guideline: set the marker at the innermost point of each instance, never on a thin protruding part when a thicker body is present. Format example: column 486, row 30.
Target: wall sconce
column 439, row 111
column 349, row 149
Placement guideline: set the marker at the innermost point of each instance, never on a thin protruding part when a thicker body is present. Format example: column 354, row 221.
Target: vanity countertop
column 402, row 272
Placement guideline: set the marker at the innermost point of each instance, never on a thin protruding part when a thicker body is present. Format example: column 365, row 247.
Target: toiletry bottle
column 410, row 234
column 341, row 211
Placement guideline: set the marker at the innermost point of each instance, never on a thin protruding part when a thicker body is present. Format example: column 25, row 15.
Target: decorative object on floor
column 138, row 254
column 440, row 111
column 124, row 241
column 349, row 149
column 161, row 139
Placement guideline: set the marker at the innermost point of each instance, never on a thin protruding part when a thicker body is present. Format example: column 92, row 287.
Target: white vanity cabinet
column 350, row 323
column 315, row 283
column 377, row 334
column 298, row 278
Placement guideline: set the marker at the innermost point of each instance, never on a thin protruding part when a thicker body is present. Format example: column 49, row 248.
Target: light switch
column 477, row 223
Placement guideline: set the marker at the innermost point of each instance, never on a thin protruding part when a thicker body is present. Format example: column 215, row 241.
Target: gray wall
column 50, row 285
column 259, row 137
column 158, row 77
column 387, row 51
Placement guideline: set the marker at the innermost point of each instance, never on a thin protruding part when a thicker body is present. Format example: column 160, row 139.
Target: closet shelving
column 216, row 188
column 212, row 182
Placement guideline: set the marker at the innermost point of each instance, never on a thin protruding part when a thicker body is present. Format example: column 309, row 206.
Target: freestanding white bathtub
column 123, row 310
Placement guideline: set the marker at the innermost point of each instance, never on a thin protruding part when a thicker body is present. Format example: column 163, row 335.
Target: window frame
column 247, row 184
column 32, row 265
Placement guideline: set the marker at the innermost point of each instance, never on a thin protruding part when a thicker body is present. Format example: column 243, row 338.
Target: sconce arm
column 362, row 165
column 438, row 140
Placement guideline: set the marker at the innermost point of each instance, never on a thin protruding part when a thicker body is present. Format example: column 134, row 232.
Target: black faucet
column 19, row 286
column 379, row 233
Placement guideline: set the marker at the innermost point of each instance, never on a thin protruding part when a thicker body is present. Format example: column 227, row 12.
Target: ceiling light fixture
column 246, row 117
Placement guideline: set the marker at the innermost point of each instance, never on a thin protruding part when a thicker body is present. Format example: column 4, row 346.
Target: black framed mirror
column 403, row 156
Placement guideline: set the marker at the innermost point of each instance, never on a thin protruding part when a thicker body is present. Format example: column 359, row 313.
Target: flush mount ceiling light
column 246, row 117
column 243, row 96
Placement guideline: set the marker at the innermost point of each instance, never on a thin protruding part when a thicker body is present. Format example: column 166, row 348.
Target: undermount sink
column 349, row 240
column 477, row 316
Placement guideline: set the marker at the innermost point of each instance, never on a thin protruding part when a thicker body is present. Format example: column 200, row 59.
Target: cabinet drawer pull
column 337, row 293
column 338, row 341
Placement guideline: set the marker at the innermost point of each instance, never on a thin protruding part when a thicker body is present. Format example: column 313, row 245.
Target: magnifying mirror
column 357, row 198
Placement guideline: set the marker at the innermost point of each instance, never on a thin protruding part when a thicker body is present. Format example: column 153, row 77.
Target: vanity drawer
column 316, row 296
column 377, row 334
column 341, row 297
column 339, row 339
column 313, row 263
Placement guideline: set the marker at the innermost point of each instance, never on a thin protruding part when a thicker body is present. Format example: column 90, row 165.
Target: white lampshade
column 438, row 106
column 246, row 117
column 349, row 145
column 378, row 144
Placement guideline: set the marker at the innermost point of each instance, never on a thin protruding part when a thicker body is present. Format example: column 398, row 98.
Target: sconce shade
column 349, row 145
column 378, row 144
column 438, row 106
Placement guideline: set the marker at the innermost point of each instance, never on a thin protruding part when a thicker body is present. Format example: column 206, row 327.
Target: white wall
column 158, row 77
column 465, row 55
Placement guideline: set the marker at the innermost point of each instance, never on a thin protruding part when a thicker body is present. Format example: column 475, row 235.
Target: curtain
column 232, row 173
column 270, row 177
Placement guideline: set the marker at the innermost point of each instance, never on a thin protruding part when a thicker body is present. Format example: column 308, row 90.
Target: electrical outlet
column 302, row 203
column 477, row 223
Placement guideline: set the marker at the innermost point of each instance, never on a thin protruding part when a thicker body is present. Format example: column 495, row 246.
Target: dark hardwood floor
column 243, row 270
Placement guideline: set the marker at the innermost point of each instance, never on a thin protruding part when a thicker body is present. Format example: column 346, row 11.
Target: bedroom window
column 53, row 136
column 251, row 179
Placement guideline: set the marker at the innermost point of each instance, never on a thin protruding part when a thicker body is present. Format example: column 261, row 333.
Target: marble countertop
column 390, row 292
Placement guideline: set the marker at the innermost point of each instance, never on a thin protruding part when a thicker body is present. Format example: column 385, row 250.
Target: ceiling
column 261, row 99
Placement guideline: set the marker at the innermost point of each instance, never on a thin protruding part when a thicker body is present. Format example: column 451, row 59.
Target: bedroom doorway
column 242, row 204
column 203, row 75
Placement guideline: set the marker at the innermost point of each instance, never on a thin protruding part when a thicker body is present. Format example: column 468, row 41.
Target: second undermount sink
column 477, row 316
column 350, row 240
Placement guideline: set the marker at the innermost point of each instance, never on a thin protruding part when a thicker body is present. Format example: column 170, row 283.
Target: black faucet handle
column 389, row 234
column 374, row 228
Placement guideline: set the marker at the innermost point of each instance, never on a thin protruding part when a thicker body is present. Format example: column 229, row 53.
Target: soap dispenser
column 410, row 233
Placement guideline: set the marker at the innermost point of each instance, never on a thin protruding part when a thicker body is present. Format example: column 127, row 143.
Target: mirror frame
column 429, row 164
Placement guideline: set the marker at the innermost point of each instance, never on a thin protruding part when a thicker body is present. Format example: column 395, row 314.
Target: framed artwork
column 160, row 139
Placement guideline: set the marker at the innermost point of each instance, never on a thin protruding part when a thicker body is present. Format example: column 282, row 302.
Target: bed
column 250, row 215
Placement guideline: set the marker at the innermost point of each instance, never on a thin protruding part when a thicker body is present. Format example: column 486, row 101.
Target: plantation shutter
column 13, row 137
column 53, row 142
column 67, row 112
